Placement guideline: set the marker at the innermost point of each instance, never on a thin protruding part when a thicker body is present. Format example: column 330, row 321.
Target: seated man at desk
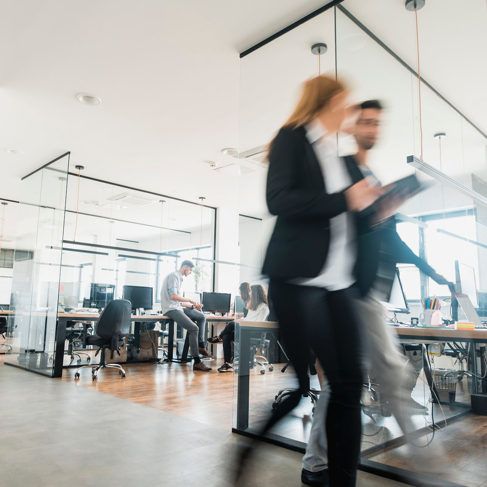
column 186, row 313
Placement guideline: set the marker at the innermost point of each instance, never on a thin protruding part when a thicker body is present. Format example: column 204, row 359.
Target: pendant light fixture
column 419, row 163
column 318, row 49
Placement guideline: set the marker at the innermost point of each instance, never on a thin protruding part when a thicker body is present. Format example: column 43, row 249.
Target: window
column 201, row 280
column 86, row 274
column 410, row 276
column 442, row 249
column 120, row 277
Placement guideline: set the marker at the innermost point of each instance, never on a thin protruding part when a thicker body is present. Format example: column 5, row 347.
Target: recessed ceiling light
column 230, row 151
column 14, row 152
column 88, row 99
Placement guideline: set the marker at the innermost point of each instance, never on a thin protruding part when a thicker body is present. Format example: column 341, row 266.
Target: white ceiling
column 174, row 91
column 167, row 73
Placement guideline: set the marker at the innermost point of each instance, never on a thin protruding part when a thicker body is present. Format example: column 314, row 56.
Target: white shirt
column 259, row 314
column 337, row 272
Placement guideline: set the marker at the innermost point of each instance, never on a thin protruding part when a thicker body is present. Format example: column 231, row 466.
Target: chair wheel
column 262, row 371
column 88, row 360
column 76, row 376
column 271, row 368
column 95, row 377
column 78, row 361
column 123, row 376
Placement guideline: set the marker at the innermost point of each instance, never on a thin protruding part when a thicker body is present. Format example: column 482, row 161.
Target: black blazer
column 296, row 194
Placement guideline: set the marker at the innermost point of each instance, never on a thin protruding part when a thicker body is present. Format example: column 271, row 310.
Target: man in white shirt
column 186, row 313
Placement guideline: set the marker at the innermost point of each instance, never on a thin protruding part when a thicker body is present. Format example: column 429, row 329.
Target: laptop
column 468, row 309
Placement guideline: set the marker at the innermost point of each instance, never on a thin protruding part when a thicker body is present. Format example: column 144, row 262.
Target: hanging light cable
column 4, row 204
column 419, row 79
column 318, row 49
column 79, row 168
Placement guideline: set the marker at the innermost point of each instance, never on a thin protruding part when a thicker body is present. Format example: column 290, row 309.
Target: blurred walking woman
column 310, row 261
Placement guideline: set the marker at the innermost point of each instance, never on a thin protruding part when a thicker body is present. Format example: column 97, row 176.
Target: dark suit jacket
column 296, row 194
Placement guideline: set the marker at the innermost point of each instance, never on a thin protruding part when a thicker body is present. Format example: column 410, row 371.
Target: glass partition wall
column 127, row 237
column 37, row 268
column 80, row 241
column 445, row 224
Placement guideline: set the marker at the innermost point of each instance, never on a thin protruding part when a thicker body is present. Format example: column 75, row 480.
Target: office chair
column 262, row 344
column 3, row 333
column 111, row 330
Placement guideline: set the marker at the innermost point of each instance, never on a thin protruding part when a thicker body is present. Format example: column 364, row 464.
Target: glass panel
column 271, row 78
column 130, row 237
column 37, row 268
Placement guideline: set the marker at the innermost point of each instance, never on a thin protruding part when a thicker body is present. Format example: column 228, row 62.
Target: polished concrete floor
column 55, row 434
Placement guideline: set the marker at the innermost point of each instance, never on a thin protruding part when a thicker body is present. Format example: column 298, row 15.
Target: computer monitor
column 193, row 296
column 465, row 282
column 216, row 302
column 101, row 295
column 239, row 305
column 139, row 296
column 397, row 301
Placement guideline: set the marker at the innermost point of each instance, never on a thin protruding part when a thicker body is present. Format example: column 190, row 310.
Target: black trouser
column 228, row 336
column 326, row 322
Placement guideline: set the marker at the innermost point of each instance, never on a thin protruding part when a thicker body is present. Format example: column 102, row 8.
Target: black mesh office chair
column 111, row 330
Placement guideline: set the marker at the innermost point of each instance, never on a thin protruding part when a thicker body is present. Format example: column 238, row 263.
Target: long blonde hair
column 316, row 95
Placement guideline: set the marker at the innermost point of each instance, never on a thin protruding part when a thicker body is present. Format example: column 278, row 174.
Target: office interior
column 80, row 225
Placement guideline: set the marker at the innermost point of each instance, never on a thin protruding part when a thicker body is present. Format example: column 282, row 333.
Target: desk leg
column 243, row 380
column 59, row 352
column 170, row 342
column 137, row 334
column 474, row 368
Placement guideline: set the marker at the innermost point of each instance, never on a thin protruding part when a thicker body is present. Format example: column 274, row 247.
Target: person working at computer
column 186, row 313
column 256, row 309
column 384, row 249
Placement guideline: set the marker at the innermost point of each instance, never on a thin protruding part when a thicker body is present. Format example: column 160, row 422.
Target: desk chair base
column 96, row 368
column 78, row 354
column 262, row 364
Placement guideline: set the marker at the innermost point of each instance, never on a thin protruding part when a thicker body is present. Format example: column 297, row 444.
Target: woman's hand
column 361, row 195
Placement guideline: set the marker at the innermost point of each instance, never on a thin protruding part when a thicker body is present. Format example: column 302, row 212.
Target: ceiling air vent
column 130, row 199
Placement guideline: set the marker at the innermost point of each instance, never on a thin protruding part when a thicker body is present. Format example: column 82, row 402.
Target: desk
column 63, row 319
column 242, row 337
column 449, row 335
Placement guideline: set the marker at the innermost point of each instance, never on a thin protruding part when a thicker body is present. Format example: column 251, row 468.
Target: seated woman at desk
column 256, row 309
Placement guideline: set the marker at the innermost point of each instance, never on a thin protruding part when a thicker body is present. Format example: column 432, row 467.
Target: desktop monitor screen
column 239, row 305
column 139, row 296
column 216, row 302
column 466, row 284
column 397, row 300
